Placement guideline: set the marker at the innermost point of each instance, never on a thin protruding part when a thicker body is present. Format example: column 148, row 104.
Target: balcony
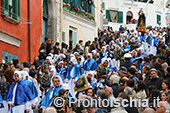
column 82, row 8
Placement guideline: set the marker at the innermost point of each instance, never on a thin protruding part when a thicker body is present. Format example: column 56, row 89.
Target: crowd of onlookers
column 116, row 64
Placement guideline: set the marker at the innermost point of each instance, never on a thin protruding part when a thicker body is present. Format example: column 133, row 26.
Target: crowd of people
column 117, row 64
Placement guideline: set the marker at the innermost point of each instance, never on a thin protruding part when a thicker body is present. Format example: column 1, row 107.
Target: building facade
column 80, row 20
column 125, row 12
column 20, row 35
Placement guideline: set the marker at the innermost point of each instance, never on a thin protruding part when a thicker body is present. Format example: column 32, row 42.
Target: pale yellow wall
column 84, row 33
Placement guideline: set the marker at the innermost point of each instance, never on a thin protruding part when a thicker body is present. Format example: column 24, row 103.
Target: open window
column 11, row 8
column 114, row 16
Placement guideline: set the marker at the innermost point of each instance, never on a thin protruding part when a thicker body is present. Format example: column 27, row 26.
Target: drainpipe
column 29, row 32
column 61, row 20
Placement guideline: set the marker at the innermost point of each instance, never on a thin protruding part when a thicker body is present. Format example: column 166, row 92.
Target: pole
column 61, row 20
column 29, row 32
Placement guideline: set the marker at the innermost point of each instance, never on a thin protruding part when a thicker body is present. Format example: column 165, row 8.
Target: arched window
column 129, row 17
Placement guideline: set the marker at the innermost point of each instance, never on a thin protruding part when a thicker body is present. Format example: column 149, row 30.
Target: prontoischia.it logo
column 118, row 102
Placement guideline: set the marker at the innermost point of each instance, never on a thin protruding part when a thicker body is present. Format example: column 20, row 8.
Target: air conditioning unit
column 103, row 6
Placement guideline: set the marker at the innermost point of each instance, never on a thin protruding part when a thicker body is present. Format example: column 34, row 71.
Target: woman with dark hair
column 164, row 96
column 149, row 90
column 64, row 48
column 90, row 92
column 140, row 88
column 86, row 48
column 154, row 95
column 92, row 47
column 165, row 86
column 129, row 88
column 42, row 52
column 141, row 94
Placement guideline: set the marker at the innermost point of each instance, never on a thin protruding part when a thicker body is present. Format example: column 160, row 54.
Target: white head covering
column 94, row 51
column 24, row 74
column 109, row 62
column 89, row 54
column 65, row 86
column 49, row 58
column 126, row 41
column 53, row 68
column 92, row 73
column 60, row 62
column 61, row 82
column 74, row 61
column 76, row 53
column 72, row 56
column 19, row 73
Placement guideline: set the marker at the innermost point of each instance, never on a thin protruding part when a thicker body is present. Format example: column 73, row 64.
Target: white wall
column 150, row 10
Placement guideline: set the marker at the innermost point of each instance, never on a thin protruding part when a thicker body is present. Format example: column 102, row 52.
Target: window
column 11, row 8
column 8, row 57
column 158, row 18
column 114, row 16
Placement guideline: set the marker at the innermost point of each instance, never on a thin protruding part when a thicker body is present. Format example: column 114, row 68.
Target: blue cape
column 32, row 87
column 91, row 64
column 78, row 71
column 23, row 93
column 155, row 41
column 47, row 101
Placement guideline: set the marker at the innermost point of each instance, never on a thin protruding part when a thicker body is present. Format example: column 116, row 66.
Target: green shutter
column 5, row 7
column 16, row 9
column 158, row 18
column 107, row 15
column 74, row 39
column 120, row 17
column 63, row 36
column 19, row 11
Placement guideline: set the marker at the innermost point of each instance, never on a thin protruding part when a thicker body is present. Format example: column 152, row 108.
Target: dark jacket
column 115, row 88
column 157, row 82
column 126, row 64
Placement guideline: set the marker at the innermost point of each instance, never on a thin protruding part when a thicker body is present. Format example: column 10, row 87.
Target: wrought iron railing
column 81, row 7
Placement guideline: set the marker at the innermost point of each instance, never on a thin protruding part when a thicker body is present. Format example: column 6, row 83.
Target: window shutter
column 158, row 19
column 19, row 11
column 120, row 17
column 5, row 7
column 16, row 9
column 107, row 15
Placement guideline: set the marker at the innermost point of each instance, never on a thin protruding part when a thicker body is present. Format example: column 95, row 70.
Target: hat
column 127, row 55
column 65, row 86
column 153, row 69
column 123, row 69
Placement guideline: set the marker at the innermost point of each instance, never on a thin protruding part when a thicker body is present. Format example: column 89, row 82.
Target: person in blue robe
column 103, row 51
column 155, row 41
column 32, row 87
column 92, row 83
column 111, row 66
column 74, row 71
column 1, row 102
column 89, row 64
column 52, row 92
column 19, row 95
